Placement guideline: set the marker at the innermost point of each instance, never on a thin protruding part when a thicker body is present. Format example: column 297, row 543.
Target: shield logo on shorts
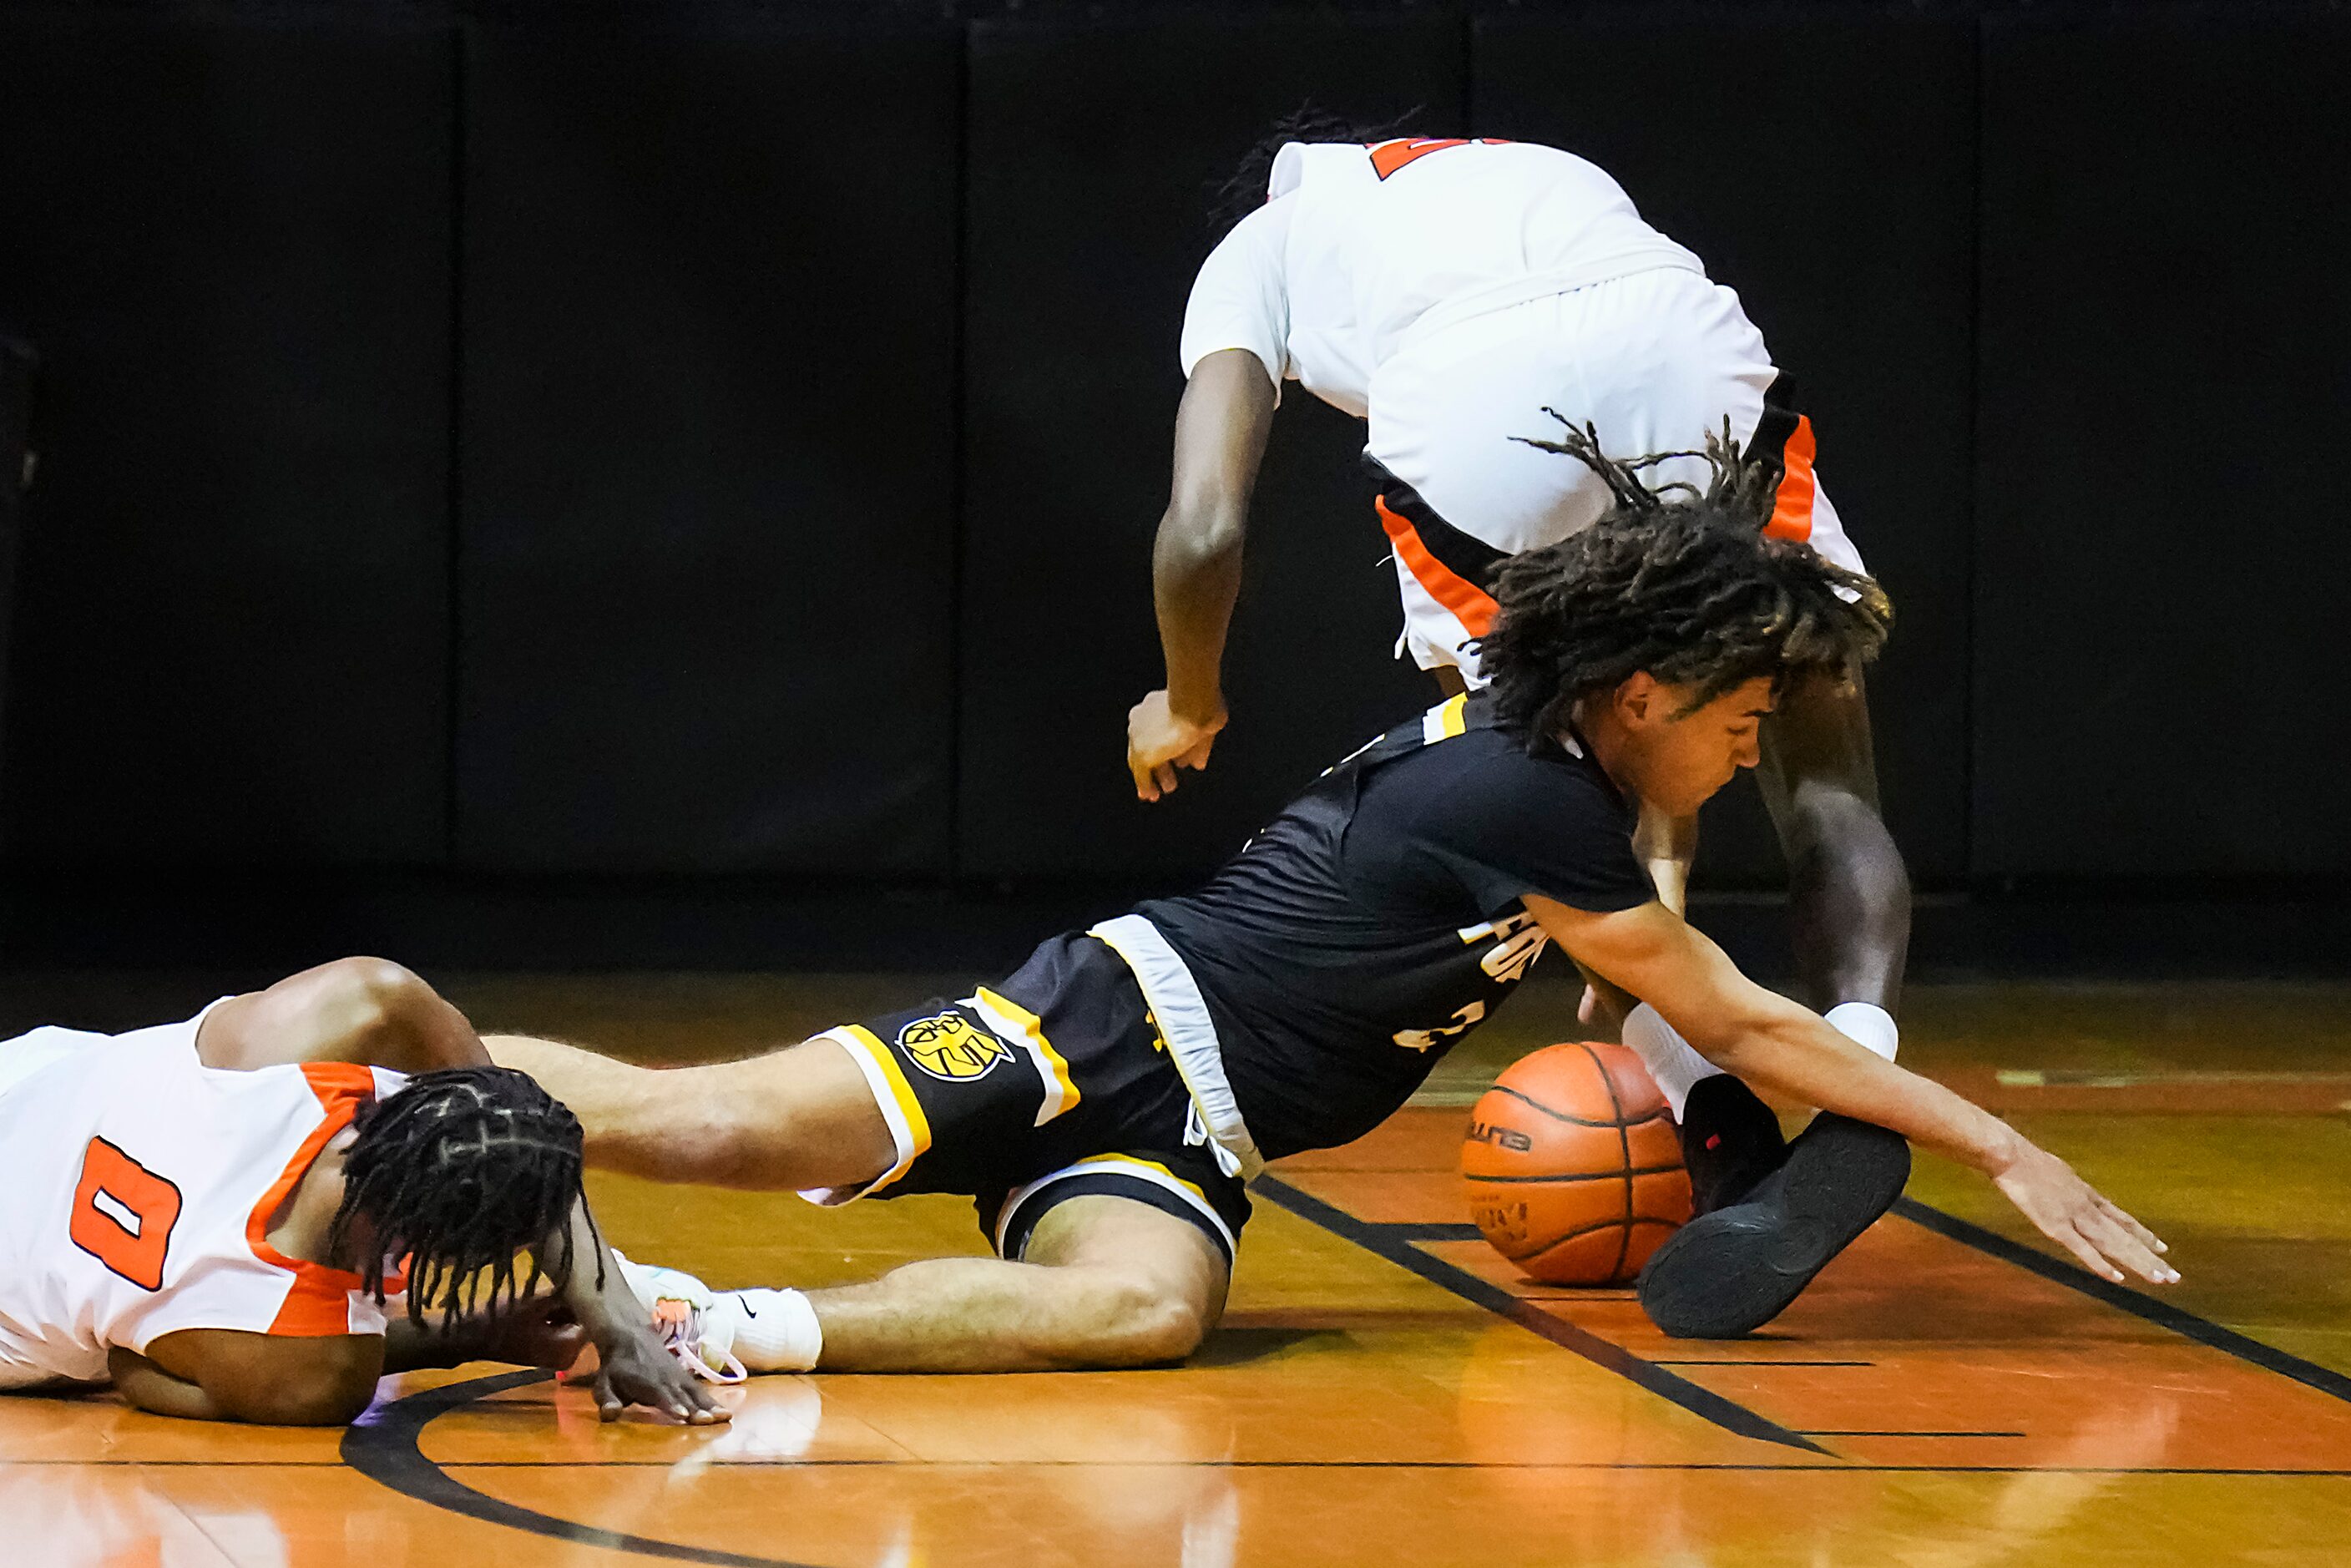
column 945, row 1045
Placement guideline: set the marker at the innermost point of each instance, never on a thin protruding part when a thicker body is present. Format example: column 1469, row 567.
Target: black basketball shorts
column 1046, row 1086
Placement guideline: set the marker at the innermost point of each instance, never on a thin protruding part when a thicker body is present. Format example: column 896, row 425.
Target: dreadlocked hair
column 1242, row 192
column 461, row 1170
column 1677, row 580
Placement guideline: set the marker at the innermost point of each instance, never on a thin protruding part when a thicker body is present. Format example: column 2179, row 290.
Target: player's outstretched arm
column 1196, row 564
column 1777, row 1045
column 1848, row 892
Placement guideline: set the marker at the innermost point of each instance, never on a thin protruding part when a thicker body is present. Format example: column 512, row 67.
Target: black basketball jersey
column 1379, row 918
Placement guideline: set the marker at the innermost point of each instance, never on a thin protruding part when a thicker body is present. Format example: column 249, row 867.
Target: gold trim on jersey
column 1446, row 720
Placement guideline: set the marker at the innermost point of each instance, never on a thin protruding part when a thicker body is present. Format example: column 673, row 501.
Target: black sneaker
column 1731, row 1141
column 1731, row 1271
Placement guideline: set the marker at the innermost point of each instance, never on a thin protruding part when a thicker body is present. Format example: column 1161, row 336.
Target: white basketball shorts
column 1654, row 360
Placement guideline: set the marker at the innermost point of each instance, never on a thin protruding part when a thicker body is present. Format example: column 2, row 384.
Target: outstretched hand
column 1159, row 741
column 2082, row 1219
column 635, row 1368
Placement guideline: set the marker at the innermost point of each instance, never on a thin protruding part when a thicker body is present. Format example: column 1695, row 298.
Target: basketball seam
column 1625, row 1139
column 1588, row 1175
column 1561, row 1240
column 1577, row 1121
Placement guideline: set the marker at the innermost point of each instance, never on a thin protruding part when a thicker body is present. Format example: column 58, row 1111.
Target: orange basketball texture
column 1573, row 1168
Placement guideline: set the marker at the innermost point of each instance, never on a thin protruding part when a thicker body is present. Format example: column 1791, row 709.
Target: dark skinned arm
column 1196, row 564
column 231, row 1375
column 228, row 1375
column 368, row 1011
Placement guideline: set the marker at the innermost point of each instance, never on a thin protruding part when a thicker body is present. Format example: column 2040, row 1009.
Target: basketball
column 1573, row 1170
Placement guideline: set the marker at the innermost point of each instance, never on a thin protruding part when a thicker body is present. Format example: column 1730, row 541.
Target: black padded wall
column 1822, row 162
column 709, row 416
column 232, row 245
column 756, row 419
column 1092, row 147
column 2167, row 400
column 18, row 361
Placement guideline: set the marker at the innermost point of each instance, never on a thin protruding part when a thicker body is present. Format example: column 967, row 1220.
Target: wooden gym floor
column 1384, row 1389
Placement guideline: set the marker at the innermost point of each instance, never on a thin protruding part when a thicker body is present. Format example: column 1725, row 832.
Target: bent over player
column 214, row 1214
column 1107, row 1104
column 1462, row 298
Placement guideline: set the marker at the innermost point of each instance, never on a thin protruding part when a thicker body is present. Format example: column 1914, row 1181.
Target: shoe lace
column 679, row 1325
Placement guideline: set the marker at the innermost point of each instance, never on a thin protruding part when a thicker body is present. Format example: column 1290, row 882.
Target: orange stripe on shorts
column 1469, row 604
column 1791, row 511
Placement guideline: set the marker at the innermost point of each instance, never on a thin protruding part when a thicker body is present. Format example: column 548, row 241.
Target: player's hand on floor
column 634, row 1369
column 2082, row 1219
column 1159, row 741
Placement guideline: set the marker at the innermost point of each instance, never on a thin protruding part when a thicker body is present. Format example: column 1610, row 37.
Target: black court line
column 1382, row 1241
column 1849, row 1432
column 1763, row 1363
column 2162, row 1314
column 381, row 1444
column 1429, row 1230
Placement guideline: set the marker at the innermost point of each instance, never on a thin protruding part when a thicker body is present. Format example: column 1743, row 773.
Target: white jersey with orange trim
column 1449, row 292
column 1361, row 243
column 140, row 1187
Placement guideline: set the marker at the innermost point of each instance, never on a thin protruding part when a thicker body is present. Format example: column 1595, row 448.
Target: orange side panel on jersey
column 318, row 1303
column 1791, row 512
column 1470, row 604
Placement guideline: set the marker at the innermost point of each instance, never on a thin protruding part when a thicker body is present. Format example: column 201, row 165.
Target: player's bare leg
column 1848, row 892
column 798, row 1118
column 1106, row 1282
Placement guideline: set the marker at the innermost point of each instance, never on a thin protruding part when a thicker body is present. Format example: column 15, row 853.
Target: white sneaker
column 688, row 1316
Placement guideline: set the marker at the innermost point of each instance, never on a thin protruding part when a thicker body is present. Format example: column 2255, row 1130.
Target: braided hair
column 1677, row 580
column 460, row 1170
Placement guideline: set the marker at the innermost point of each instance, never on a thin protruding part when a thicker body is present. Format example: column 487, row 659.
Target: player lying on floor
column 1107, row 1104
column 214, row 1214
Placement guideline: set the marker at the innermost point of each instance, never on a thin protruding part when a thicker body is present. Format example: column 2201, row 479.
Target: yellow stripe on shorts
column 918, row 1126
column 1008, row 1015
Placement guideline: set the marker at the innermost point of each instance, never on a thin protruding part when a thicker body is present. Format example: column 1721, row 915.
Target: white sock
column 1666, row 1055
column 1866, row 1024
column 776, row 1331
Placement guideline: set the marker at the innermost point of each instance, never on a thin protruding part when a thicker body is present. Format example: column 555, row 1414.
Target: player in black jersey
column 1107, row 1104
